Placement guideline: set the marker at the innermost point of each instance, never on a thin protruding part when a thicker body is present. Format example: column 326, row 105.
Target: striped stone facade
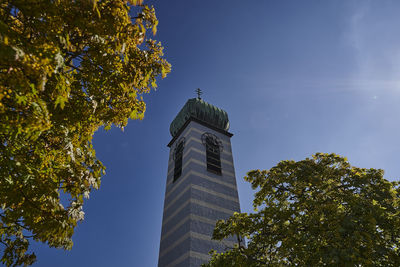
column 196, row 200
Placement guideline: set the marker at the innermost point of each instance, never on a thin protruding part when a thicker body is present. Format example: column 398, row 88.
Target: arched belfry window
column 178, row 154
column 213, row 152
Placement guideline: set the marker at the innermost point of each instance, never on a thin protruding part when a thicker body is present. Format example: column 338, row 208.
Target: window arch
column 178, row 154
column 213, row 152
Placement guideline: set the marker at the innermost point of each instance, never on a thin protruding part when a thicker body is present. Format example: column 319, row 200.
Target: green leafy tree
column 66, row 69
column 320, row 211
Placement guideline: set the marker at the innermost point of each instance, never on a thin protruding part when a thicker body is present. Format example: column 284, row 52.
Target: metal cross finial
column 199, row 93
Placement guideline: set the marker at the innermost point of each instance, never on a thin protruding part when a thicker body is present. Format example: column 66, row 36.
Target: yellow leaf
column 155, row 28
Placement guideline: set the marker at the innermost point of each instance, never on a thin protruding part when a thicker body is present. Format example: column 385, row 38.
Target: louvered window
column 213, row 152
column 178, row 154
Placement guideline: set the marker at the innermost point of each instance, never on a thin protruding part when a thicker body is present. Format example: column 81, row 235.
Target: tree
column 66, row 69
column 316, row 212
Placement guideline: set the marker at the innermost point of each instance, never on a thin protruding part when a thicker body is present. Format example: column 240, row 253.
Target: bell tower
column 201, row 185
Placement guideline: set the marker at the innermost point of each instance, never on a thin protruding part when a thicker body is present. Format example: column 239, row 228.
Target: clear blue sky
column 296, row 77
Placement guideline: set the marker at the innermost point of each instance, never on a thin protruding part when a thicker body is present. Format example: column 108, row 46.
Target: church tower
column 201, row 185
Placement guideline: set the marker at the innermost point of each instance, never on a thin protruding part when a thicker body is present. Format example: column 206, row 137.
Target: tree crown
column 66, row 69
column 320, row 211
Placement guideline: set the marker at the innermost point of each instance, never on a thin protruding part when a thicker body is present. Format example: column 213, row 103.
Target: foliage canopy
column 320, row 211
column 66, row 69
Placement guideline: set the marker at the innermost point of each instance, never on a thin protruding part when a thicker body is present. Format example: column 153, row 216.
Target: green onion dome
column 199, row 109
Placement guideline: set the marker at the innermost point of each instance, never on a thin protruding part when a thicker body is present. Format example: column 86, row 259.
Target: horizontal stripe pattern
column 203, row 164
column 189, row 254
column 211, row 192
column 201, row 256
column 200, row 203
column 195, row 235
column 201, row 152
column 191, row 217
column 201, row 175
column 179, row 260
column 203, row 189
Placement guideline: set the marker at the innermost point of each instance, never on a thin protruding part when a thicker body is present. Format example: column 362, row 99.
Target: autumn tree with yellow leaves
column 66, row 69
